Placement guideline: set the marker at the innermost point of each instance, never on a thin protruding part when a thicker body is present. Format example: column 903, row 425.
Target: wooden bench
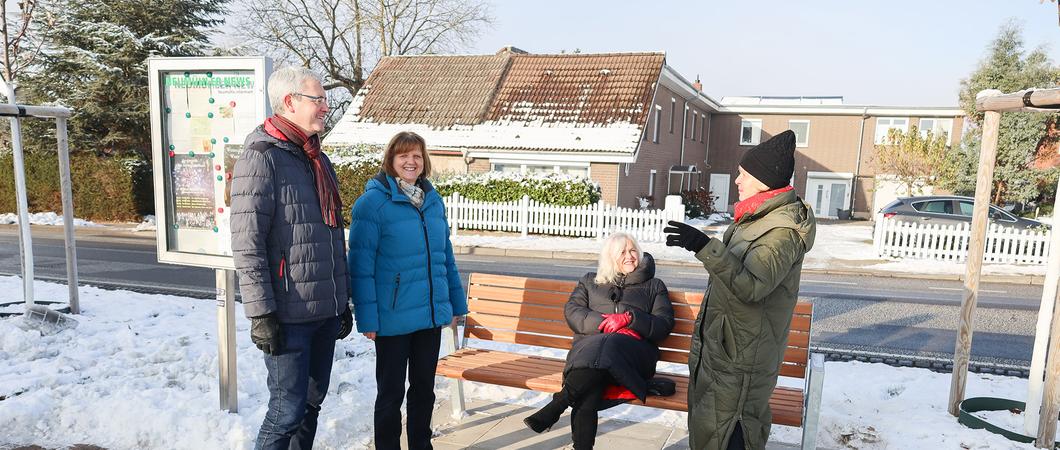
column 530, row 311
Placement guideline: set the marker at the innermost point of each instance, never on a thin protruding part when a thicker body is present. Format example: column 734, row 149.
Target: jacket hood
column 644, row 271
column 786, row 210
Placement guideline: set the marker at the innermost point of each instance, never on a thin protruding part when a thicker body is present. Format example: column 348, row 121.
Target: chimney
column 697, row 85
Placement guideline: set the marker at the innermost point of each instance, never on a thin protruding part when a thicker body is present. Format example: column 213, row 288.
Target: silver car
column 950, row 209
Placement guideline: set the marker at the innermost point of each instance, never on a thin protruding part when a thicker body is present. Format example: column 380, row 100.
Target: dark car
column 950, row 209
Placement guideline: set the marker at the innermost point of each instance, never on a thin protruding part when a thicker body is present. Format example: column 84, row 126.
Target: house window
column 540, row 167
column 673, row 106
column 802, row 132
column 750, row 131
column 651, row 183
column 657, row 124
column 937, row 127
column 702, row 127
column 885, row 124
column 695, row 118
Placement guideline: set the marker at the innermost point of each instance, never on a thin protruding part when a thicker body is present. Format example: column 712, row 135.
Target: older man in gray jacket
column 290, row 253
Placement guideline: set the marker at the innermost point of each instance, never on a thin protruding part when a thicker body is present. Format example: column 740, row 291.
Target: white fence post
column 894, row 238
column 452, row 205
column 674, row 208
column 524, row 215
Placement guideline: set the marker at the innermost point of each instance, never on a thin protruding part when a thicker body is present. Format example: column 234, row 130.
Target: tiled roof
column 590, row 89
column 577, row 102
column 434, row 90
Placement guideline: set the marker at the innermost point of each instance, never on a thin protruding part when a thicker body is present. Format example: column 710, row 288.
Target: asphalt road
column 868, row 314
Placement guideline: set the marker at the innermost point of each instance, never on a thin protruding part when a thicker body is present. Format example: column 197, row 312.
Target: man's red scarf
column 750, row 205
column 327, row 186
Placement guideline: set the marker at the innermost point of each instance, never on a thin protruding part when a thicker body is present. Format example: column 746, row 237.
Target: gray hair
column 286, row 81
column 607, row 267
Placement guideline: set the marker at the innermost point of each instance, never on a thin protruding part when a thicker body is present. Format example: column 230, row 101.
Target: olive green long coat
column 742, row 328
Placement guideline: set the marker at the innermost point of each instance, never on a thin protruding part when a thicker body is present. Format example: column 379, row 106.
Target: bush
column 552, row 188
column 354, row 166
column 698, row 202
column 104, row 188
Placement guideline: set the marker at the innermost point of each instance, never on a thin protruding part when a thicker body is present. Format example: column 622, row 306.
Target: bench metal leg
column 456, row 386
column 811, row 407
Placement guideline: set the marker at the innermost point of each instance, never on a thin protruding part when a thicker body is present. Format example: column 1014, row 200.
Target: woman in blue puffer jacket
column 405, row 286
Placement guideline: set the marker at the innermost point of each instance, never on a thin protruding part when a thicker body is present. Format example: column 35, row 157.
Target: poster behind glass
column 206, row 116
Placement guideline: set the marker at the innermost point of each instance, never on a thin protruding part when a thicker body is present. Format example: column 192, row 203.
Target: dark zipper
column 430, row 278
column 397, row 284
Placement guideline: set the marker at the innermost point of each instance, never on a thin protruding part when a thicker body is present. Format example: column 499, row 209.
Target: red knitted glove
column 615, row 322
column 629, row 332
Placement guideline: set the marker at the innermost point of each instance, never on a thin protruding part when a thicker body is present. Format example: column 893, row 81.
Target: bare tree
column 345, row 39
column 20, row 49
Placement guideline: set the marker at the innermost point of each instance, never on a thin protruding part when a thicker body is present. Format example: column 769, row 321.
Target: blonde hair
column 404, row 142
column 607, row 267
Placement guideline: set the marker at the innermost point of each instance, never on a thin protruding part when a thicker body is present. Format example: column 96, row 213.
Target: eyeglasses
column 320, row 100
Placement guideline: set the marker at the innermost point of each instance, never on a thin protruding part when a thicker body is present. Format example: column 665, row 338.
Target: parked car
column 950, row 209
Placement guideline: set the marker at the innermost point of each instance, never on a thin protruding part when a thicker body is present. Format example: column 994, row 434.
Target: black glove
column 345, row 324
column 683, row 235
column 266, row 334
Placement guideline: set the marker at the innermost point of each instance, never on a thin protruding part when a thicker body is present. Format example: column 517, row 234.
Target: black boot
column 544, row 418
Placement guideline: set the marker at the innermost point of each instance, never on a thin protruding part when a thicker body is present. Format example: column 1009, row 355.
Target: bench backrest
column 530, row 311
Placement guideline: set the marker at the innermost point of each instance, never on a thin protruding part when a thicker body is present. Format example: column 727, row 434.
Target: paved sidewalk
column 500, row 426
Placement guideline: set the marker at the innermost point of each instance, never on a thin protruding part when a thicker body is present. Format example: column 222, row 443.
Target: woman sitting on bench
column 618, row 314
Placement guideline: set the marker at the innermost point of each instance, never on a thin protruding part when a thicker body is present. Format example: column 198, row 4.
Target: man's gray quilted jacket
column 289, row 262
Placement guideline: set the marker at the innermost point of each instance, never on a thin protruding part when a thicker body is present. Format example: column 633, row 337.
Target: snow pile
column 141, row 372
column 148, row 224
column 44, row 218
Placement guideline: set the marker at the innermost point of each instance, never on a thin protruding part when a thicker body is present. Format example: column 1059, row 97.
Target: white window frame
column 935, row 121
column 756, row 137
column 556, row 165
column 673, row 111
column 695, row 118
column 657, row 124
column 651, row 183
column 806, row 141
column 881, row 137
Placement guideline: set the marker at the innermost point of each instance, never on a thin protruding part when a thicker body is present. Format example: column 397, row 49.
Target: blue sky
column 903, row 53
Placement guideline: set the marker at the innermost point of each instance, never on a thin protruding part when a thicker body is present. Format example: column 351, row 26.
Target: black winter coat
column 630, row 362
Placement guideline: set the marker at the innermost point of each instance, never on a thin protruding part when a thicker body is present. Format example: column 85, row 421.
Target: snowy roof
column 508, row 101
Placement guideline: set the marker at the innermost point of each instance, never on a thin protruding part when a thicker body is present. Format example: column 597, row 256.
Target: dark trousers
column 583, row 390
column 416, row 353
column 298, row 381
column 736, row 439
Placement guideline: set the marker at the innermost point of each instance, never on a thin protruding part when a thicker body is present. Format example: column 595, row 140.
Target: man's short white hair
column 286, row 81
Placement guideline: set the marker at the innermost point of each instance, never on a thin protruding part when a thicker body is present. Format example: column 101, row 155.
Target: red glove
column 615, row 322
column 629, row 332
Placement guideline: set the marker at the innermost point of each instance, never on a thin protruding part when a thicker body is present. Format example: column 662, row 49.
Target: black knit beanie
column 772, row 162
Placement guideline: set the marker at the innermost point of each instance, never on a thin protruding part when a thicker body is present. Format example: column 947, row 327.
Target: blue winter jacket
column 401, row 262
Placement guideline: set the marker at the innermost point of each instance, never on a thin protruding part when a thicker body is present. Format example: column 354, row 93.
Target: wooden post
column 1051, row 399
column 68, row 214
column 983, row 183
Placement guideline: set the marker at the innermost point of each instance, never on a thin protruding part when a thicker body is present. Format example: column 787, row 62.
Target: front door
column 719, row 188
column 827, row 196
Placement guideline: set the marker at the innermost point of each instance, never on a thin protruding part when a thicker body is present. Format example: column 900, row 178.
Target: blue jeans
column 298, row 381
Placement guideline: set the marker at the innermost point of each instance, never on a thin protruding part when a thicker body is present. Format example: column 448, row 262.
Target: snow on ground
column 140, row 372
column 45, row 218
column 148, row 224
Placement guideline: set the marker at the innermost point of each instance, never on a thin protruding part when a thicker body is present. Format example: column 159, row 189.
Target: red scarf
column 748, row 206
column 327, row 186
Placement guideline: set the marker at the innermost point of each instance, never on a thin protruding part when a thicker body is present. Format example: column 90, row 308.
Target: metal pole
column 24, row 237
column 1046, row 435
column 226, row 338
column 976, row 248
column 68, row 213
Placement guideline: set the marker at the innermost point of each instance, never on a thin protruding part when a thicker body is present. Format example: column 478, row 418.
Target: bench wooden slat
column 499, row 293
column 518, row 310
column 685, row 312
column 555, row 328
column 518, row 338
column 538, row 284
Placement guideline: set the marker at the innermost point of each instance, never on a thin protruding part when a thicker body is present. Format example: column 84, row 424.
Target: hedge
column 354, row 165
column 552, row 188
column 105, row 188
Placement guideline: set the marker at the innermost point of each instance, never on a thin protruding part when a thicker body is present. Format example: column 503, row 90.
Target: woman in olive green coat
column 743, row 325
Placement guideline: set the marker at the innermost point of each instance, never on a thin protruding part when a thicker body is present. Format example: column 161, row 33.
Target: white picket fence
column 894, row 238
column 527, row 216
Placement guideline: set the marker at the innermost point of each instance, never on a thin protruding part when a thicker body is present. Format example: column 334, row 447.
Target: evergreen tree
column 96, row 63
column 1007, row 68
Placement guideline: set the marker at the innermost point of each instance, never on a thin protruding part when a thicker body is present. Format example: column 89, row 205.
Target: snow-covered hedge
column 104, row 187
column 551, row 188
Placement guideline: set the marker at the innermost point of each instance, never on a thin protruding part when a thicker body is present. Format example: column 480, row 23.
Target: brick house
column 626, row 120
